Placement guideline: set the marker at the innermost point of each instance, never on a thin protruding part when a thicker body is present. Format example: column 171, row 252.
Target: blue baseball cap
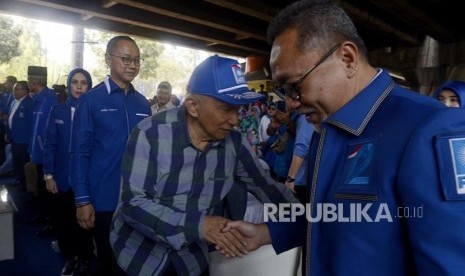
column 223, row 79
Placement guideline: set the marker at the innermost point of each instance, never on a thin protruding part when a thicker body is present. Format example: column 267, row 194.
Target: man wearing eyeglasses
column 386, row 184
column 102, row 122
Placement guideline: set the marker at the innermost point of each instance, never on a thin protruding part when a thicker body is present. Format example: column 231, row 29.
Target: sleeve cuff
column 194, row 226
column 286, row 235
column 81, row 195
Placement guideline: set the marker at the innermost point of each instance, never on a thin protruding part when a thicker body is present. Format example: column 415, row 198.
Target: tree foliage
column 98, row 45
column 9, row 40
column 31, row 52
column 158, row 65
column 150, row 52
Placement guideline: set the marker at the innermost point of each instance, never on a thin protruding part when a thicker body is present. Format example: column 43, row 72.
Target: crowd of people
column 152, row 187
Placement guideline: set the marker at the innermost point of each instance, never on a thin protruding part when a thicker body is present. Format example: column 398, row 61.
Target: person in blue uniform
column 20, row 128
column 296, row 179
column 386, row 170
column 75, row 243
column 451, row 93
column 44, row 99
column 102, row 122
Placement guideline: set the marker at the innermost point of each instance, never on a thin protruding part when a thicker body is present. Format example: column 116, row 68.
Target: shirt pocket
column 358, row 178
column 168, row 185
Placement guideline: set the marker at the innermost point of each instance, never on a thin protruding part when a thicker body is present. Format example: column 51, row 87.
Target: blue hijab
column 68, row 83
column 457, row 86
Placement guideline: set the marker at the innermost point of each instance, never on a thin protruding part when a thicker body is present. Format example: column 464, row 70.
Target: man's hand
column 290, row 186
column 231, row 242
column 274, row 123
column 51, row 186
column 85, row 216
column 282, row 117
column 255, row 235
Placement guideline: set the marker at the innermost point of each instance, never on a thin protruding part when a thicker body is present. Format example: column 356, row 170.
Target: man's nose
column 234, row 119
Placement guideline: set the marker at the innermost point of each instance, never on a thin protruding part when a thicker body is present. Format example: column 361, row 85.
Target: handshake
column 234, row 238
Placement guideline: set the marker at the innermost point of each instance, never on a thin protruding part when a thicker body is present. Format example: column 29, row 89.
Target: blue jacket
column 58, row 136
column 5, row 101
column 43, row 103
column 22, row 122
column 57, row 140
column 102, row 123
column 399, row 155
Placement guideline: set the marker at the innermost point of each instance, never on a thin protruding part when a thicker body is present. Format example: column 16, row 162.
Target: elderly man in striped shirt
column 178, row 166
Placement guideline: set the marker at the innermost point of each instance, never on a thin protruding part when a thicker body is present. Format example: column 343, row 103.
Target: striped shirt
column 168, row 187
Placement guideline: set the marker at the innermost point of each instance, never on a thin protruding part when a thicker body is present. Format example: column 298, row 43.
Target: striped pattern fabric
column 168, row 187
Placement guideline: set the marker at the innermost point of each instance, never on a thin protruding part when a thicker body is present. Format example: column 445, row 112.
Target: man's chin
column 222, row 134
column 129, row 77
column 313, row 117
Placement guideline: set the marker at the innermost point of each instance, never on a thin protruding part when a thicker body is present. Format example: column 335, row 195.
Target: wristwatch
column 48, row 177
column 290, row 179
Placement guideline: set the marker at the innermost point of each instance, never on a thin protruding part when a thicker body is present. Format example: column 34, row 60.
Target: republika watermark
column 330, row 212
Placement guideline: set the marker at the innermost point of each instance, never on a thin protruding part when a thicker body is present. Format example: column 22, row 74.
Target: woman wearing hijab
column 74, row 242
column 451, row 93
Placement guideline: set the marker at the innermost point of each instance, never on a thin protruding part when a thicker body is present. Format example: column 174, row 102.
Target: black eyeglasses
column 291, row 89
column 127, row 60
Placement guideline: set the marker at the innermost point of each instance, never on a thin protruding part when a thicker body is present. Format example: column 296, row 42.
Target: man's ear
column 192, row 105
column 350, row 58
column 108, row 60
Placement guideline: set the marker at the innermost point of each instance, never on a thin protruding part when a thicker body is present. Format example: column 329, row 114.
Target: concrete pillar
column 438, row 63
column 429, row 71
column 77, row 51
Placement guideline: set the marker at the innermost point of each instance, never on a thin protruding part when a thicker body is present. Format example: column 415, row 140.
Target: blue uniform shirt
column 5, row 101
column 57, row 140
column 390, row 162
column 43, row 103
column 20, row 130
column 102, row 122
column 301, row 147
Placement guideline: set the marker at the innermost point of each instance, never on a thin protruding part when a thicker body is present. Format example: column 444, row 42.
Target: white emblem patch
column 457, row 151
